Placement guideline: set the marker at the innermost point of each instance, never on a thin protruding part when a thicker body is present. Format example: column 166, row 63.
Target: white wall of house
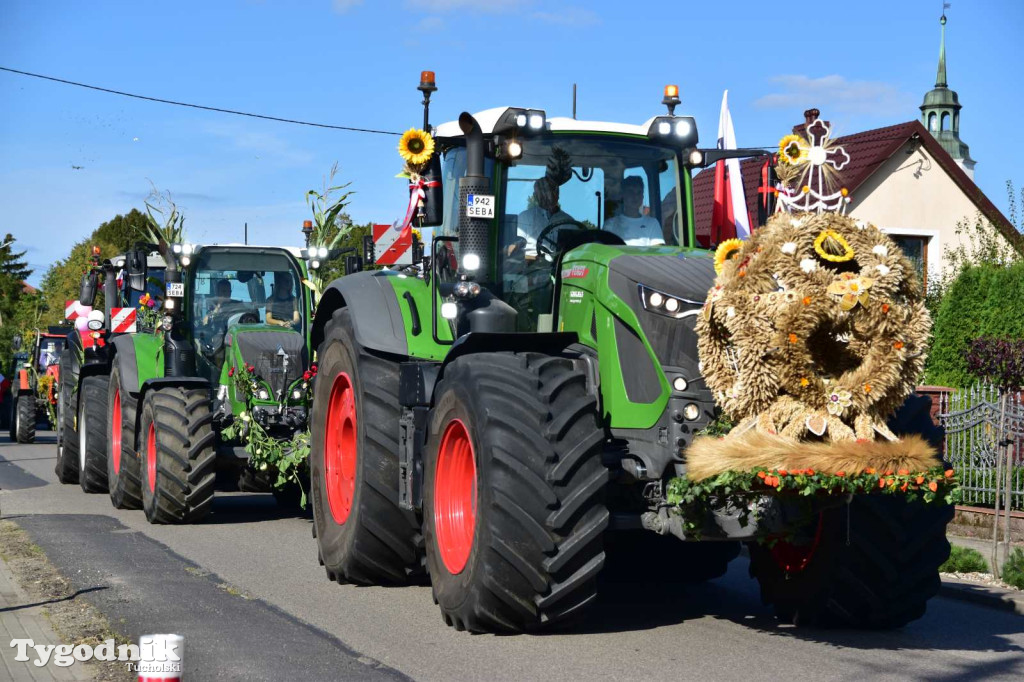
column 912, row 195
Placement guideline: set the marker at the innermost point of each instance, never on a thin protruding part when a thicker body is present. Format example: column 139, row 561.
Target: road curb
column 1011, row 601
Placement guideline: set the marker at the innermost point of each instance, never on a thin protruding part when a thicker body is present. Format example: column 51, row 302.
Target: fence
column 971, row 419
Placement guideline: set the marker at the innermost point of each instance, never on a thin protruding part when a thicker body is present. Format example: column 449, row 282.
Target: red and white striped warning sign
column 123, row 320
column 74, row 310
column 389, row 247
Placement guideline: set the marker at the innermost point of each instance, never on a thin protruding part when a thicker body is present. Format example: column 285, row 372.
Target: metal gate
column 971, row 419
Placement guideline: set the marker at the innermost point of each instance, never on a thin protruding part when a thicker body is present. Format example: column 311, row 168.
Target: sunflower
column 792, row 149
column 726, row 251
column 416, row 146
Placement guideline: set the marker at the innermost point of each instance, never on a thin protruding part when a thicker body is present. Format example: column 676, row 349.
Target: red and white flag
column 729, row 218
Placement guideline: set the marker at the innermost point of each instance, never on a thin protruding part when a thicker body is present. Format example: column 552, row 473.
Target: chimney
column 809, row 116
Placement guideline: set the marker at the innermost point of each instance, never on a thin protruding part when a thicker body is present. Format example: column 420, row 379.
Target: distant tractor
column 507, row 420
column 33, row 387
column 158, row 415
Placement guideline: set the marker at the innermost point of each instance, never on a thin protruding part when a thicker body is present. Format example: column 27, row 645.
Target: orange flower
column 889, row 472
column 904, row 487
column 809, row 472
column 903, row 472
column 782, row 472
column 771, row 481
column 761, row 474
column 885, row 307
column 949, row 473
column 793, row 338
column 881, row 483
column 898, row 345
column 840, row 474
column 804, row 381
column 919, row 480
column 867, row 388
column 807, row 300
column 869, row 470
column 933, row 486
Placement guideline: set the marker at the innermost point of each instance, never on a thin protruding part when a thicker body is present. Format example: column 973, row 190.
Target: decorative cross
column 819, row 175
column 820, row 152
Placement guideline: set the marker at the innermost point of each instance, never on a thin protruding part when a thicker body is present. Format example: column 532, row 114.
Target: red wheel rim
column 151, row 458
column 795, row 558
column 340, row 449
column 455, row 497
column 115, row 431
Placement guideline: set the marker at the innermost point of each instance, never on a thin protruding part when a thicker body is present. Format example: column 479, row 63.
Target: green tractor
column 168, row 408
column 507, row 419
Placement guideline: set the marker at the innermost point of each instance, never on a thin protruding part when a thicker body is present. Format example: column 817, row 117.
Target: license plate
column 480, row 205
column 176, row 289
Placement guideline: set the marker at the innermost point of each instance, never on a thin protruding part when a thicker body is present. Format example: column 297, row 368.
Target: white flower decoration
column 861, row 225
column 882, row 269
column 808, row 265
column 789, row 247
column 730, row 312
column 796, row 222
column 880, row 250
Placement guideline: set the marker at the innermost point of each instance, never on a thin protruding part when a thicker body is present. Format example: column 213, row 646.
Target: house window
column 916, row 251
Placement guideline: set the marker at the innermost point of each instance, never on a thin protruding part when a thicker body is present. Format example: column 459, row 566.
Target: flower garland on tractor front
column 266, row 453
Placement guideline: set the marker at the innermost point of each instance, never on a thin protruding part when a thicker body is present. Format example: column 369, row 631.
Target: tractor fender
column 124, row 353
column 376, row 317
column 549, row 343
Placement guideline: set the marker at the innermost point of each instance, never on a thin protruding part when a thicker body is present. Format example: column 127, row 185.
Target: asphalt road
column 188, row 579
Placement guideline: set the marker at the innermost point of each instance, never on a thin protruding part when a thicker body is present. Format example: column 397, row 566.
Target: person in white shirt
column 635, row 228
column 545, row 211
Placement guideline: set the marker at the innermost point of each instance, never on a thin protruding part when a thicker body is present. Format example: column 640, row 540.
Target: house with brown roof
column 913, row 180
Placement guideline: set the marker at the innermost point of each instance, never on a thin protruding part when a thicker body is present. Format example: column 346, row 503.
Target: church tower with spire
column 940, row 113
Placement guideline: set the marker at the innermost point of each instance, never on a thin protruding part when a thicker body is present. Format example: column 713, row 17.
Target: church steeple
column 940, row 112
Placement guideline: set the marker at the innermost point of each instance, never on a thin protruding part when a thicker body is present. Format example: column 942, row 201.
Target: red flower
column 761, row 475
column 881, row 483
column 904, row 487
column 840, row 474
column 810, row 472
column 313, row 368
column 782, row 472
column 307, row 375
column 231, row 371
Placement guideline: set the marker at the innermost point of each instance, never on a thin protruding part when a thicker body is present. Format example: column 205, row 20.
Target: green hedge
column 984, row 301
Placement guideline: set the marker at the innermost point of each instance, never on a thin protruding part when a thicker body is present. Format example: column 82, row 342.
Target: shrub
column 1013, row 569
column 965, row 560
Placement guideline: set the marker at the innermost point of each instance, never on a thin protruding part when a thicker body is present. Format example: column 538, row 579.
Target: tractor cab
column 558, row 184
column 249, row 297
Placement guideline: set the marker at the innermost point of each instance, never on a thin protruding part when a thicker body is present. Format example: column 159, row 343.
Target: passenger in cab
column 283, row 306
column 635, row 228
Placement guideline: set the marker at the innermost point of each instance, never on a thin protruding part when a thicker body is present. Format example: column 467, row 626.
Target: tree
column 64, row 278
column 16, row 305
column 123, row 231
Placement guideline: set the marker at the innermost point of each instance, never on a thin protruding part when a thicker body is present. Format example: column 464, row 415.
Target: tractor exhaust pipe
column 474, row 232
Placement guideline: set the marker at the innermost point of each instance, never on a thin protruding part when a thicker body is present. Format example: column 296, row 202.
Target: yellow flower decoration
column 416, row 233
column 852, row 290
column 416, row 146
column 725, row 251
column 831, row 246
column 792, row 149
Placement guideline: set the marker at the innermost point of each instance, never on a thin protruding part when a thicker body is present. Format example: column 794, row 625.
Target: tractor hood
column 685, row 276
column 267, row 349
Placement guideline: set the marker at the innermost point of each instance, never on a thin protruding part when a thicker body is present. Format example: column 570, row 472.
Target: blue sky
column 349, row 62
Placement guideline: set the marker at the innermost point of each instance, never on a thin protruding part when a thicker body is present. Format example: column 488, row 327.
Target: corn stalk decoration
column 326, row 205
column 165, row 223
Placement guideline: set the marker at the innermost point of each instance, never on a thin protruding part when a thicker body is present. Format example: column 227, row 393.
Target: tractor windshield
column 50, row 348
column 235, row 286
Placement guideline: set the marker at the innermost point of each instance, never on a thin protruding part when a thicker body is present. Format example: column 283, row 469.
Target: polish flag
column 729, row 218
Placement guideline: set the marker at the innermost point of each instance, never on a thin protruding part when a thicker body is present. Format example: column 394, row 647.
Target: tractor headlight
column 466, row 289
column 680, row 384
column 314, row 264
column 691, row 411
column 322, row 252
column 94, row 325
column 666, row 304
column 263, row 394
column 297, row 394
column 176, row 248
column 166, row 323
column 186, row 261
column 449, row 310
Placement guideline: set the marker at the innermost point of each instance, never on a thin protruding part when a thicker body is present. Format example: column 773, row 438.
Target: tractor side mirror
column 87, row 293
column 16, row 343
column 135, row 267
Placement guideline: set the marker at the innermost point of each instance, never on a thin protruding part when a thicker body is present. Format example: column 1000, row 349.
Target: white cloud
column 569, row 16
column 342, row 6
column 837, row 94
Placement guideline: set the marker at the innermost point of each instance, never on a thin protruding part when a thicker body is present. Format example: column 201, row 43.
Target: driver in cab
column 283, row 306
column 544, row 212
column 220, row 300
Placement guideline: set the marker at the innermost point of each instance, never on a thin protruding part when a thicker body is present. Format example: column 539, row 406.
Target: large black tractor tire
column 177, row 445
column 363, row 536
column 92, row 434
column 123, row 470
column 636, row 556
column 514, row 491
column 66, row 467
column 25, row 419
column 872, row 564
